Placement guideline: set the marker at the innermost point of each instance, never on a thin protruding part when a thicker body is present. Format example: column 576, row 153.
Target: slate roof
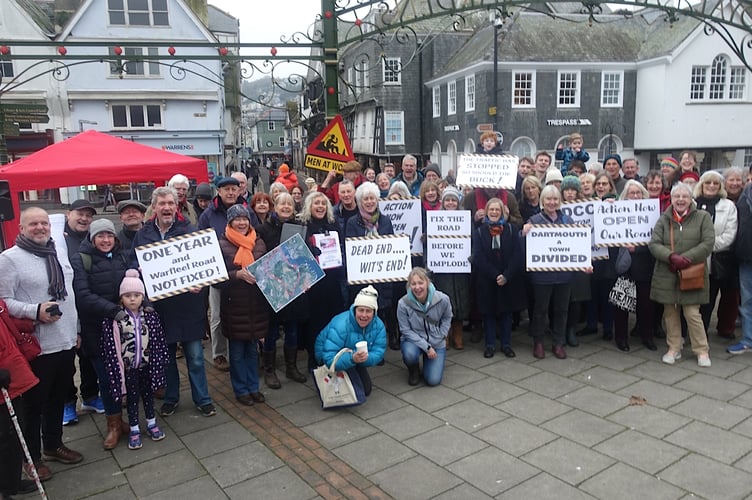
column 221, row 22
column 38, row 15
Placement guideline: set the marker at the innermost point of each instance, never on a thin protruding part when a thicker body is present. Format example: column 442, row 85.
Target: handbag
column 692, row 277
column 21, row 330
column 624, row 294
column 338, row 388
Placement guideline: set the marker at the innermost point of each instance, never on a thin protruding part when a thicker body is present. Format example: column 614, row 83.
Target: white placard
column 378, row 259
column 406, row 219
column 448, row 241
column 487, row 171
column 581, row 213
column 174, row 266
column 331, row 253
column 626, row 222
column 558, row 247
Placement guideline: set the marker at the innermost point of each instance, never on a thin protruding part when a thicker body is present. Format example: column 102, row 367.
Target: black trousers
column 45, row 401
column 89, row 380
column 11, row 454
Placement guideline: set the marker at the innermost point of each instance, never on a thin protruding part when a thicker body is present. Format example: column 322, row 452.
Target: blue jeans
column 193, row 352
column 745, row 309
column 244, row 375
column 291, row 334
column 433, row 369
column 505, row 329
column 110, row 406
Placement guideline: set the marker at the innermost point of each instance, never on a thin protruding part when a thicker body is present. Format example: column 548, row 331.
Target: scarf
column 428, row 206
column 708, row 204
column 495, row 229
column 245, row 243
column 371, row 221
column 54, row 269
column 677, row 216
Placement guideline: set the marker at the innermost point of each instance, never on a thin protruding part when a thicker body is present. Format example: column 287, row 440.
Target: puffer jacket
column 425, row 327
column 693, row 238
column 21, row 377
column 343, row 331
column 244, row 310
column 97, row 291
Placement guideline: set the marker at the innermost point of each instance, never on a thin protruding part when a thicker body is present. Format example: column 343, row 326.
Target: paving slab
column 163, row 473
column 568, row 461
column 639, row 450
column 342, row 429
column 534, row 408
column 123, row 492
column 382, row 452
column 217, row 439
column 716, row 480
column 241, row 463
column 463, row 492
column 510, row 371
column 745, row 400
column 653, row 421
column 711, row 411
column 660, row 372
column 445, row 445
column 305, row 411
column 605, row 378
column 492, row 471
column 203, row 487
column 470, row 415
column 595, row 401
column 621, row 482
column 656, row 394
column 710, row 441
column 582, row 427
column 544, row 486
column 431, row 399
column 85, row 480
column 491, row 391
column 416, row 478
column 279, row 483
column 712, row 387
column 379, row 403
column 616, row 360
column 564, row 367
column 549, row 385
column 515, row 436
column 457, row 375
column 405, row 423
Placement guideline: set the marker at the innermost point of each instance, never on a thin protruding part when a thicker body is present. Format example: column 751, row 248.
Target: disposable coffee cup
column 361, row 346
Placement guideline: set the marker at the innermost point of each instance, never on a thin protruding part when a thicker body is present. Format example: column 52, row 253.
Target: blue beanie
column 614, row 157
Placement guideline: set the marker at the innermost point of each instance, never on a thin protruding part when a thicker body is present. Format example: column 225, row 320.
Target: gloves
column 678, row 262
column 121, row 315
column 4, row 378
column 149, row 309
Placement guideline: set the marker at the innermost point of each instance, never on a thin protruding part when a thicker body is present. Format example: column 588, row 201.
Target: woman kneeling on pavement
column 347, row 329
column 244, row 310
column 424, row 315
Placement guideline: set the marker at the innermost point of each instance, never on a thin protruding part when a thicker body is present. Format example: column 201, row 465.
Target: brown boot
column 291, row 372
column 114, row 431
column 270, row 378
column 457, row 335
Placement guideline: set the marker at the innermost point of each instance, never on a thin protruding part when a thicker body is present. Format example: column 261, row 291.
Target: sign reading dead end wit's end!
column 487, row 171
column 378, row 259
column 175, row 266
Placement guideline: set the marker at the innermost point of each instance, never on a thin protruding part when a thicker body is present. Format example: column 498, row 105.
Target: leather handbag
column 21, row 330
column 692, row 277
column 338, row 388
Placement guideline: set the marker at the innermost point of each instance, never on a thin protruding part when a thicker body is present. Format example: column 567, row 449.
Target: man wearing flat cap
column 215, row 217
column 350, row 170
column 132, row 216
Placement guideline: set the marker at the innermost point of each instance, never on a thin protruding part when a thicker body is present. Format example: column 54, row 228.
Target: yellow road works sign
column 331, row 149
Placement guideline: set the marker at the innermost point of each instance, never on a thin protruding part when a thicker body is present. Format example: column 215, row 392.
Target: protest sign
column 331, row 254
column 448, row 241
column 377, row 259
column 558, row 247
column 286, row 272
column 626, row 222
column 174, row 266
column 581, row 213
column 487, row 171
column 406, row 219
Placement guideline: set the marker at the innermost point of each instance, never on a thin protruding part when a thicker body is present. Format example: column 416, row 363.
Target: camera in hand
column 54, row 310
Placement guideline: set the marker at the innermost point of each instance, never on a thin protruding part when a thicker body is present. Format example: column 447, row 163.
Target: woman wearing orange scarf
column 244, row 310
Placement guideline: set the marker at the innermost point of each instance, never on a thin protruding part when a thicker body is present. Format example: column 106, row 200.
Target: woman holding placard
column 325, row 242
column 292, row 314
column 498, row 264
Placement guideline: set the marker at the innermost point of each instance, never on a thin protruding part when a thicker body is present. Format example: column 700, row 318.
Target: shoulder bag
column 338, row 388
column 692, row 277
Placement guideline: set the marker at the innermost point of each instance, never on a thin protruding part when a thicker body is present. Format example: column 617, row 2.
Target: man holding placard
column 183, row 315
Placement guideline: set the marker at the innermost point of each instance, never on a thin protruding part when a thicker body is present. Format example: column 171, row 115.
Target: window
column 137, row 67
column 394, row 128
column 270, row 126
column 609, row 144
column 747, row 157
column 470, row 93
column 392, row 71
column 569, row 89
column 281, row 142
column 523, row 146
column 720, row 81
column 523, row 95
column 612, row 89
column 136, row 116
column 138, row 12
column 451, row 98
column 6, row 69
column 361, row 77
column 436, row 96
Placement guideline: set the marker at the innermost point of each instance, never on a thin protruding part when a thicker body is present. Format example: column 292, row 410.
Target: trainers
column 168, row 409
column 155, row 433
column 134, row 440
column 62, row 454
column 703, row 360
column 70, row 416
column 671, row 357
column 207, row 410
column 93, row 405
column 739, row 348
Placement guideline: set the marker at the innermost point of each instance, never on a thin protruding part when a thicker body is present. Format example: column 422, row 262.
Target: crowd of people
column 88, row 302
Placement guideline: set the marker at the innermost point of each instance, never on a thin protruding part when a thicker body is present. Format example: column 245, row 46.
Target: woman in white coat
column 710, row 195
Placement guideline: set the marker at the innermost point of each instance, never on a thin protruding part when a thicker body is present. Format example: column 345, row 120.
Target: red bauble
column 171, row 50
column 273, row 51
column 5, row 50
column 117, row 50
column 62, row 50
column 328, row 14
column 358, row 22
column 223, row 51
column 331, row 90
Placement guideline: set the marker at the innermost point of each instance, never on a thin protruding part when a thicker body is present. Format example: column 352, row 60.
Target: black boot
column 413, row 374
column 394, row 342
column 270, row 377
column 572, row 337
column 291, row 368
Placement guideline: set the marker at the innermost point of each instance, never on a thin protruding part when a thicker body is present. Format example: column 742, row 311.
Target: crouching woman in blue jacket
column 350, row 327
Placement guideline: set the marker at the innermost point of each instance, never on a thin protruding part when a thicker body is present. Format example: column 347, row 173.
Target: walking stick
column 21, row 439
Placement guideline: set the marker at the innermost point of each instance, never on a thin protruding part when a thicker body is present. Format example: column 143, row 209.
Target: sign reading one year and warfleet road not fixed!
column 331, row 149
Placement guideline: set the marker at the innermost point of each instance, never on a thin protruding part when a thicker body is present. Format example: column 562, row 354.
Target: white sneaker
column 671, row 357
column 703, row 360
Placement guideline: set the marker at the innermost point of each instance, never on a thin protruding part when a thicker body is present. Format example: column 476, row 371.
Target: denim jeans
column 193, row 352
column 244, row 375
column 291, row 334
column 745, row 309
column 110, row 406
column 433, row 369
